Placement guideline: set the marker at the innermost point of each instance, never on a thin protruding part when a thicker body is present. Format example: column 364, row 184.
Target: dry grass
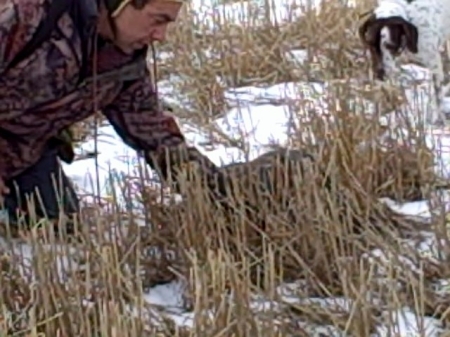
column 287, row 218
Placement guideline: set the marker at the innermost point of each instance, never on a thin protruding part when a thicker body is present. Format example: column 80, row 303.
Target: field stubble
column 288, row 218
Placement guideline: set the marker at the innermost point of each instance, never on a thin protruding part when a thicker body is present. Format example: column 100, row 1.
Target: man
column 93, row 60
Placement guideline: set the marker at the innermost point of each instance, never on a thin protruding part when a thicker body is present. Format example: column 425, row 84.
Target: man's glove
column 170, row 162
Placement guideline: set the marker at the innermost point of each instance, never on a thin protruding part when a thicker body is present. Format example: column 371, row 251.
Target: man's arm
column 138, row 121
column 143, row 126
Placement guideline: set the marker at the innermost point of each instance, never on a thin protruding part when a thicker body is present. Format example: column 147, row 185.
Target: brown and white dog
column 418, row 28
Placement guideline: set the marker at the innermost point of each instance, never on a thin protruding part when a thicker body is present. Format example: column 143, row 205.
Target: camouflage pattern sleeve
column 142, row 125
column 155, row 133
column 18, row 21
column 139, row 122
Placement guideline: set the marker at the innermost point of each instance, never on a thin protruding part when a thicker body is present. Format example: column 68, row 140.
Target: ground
column 248, row 76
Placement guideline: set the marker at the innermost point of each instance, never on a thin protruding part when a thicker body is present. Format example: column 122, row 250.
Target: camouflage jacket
column 42, row 95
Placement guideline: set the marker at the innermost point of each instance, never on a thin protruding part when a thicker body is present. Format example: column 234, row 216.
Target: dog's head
column 402, row 35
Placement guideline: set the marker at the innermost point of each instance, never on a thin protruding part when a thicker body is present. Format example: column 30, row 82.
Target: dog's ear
column 408, row 30
column 369, row 30
column 412, row 37
column 370, row 35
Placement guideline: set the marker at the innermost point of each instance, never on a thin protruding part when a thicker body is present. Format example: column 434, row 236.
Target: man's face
column 135, row 28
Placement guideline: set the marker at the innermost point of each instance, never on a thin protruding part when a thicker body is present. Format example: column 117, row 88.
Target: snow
column 406, row 324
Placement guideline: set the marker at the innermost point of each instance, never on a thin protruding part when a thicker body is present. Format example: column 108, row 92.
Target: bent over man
column 59, row 61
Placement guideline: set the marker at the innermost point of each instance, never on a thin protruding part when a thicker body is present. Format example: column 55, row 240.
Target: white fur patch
column 388, row 60
column 390, row 8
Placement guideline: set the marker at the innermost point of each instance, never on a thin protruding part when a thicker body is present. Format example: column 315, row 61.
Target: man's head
column 132, row 24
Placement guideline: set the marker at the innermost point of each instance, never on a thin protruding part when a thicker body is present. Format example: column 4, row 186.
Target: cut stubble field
column 352, row 242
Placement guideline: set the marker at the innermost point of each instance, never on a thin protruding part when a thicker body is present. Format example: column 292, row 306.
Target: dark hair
column 112, row 5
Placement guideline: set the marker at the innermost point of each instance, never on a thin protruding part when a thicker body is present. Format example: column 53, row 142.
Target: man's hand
column 169, row 162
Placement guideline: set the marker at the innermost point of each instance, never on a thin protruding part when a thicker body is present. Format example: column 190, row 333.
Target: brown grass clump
column 368, row 152
column 383, row 166
column 402, row 173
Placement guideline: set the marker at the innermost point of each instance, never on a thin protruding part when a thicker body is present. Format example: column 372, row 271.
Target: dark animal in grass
column 287, row 195
column 284, row 198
